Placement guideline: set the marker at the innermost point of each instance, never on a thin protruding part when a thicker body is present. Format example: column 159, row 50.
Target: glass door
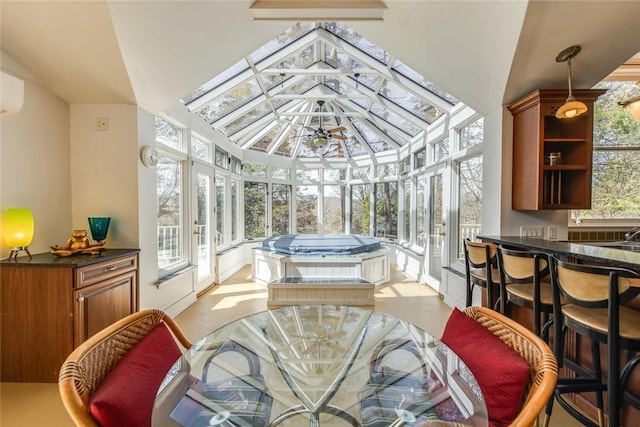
column 202, row 225
column 436, row 242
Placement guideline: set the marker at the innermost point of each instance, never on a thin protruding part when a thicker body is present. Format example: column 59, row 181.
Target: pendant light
column 633, row 105
column 571, row 107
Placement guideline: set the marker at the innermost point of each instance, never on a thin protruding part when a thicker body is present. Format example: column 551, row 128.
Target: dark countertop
column 50, row 260
column 579, row 250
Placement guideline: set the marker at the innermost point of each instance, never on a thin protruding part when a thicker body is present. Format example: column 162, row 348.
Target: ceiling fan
column 320, row 136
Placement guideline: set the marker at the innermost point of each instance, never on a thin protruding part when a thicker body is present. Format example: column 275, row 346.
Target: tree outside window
column 360, row 203
column 255, row 209
column 616, row 157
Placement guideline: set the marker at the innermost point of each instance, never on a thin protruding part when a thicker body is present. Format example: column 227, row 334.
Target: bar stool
column 521, row 283
column 481, row 268
column 595, row 310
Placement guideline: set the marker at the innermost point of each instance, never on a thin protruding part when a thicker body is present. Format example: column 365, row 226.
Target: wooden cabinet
column 540, row 182
column 50, row 305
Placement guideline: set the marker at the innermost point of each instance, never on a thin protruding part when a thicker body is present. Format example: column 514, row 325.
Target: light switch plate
column 102, row 123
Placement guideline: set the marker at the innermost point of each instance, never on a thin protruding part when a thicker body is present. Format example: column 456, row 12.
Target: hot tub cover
column 317, row 244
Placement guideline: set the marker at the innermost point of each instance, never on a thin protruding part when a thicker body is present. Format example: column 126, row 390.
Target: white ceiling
column 152, row 53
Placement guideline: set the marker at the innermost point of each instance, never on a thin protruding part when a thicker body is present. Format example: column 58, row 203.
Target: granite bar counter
column 585, row 252
column 579, row 348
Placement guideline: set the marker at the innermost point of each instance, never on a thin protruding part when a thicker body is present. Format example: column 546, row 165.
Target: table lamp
column 18, row 230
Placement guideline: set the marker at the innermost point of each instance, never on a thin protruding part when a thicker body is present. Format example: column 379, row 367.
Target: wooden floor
column 29, row 404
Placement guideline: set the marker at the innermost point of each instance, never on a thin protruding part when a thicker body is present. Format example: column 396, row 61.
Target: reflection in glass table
column 319, row 365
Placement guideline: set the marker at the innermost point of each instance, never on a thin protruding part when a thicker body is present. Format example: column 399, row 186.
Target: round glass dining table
column 319, row 365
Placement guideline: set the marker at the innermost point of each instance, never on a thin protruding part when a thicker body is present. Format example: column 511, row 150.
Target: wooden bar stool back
column 522, row 282
column 594, row 309
column 481, row 268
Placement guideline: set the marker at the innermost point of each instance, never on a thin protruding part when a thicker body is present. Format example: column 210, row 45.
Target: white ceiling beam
column 318, row 10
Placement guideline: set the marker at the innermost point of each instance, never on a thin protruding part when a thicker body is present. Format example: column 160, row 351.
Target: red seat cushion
column 500, row 372
column 126, row 395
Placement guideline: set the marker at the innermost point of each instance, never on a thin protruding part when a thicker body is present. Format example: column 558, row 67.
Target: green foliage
column 616, row 174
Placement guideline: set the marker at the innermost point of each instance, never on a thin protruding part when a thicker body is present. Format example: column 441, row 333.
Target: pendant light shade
column 633, row 105
column 571, row 108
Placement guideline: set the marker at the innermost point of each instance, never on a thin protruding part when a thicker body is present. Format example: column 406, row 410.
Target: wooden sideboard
column 49, row 305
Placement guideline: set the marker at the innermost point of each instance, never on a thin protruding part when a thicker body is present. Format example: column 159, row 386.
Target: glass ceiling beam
column 391, row 106
column 244, row 134
column 247, row 74
column 370, row 62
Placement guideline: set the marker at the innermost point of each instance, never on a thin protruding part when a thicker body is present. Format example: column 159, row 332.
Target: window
column 281, row 209
column 406, row 223
column 334, row 174
column 420, row 158
column 307, row 209
column 281, row 173
column 200, row 149
column 441, row 149
column 421, row 187
column 255, row 170
column 169, row 176
column 168, row 134
column 220, row 210
column 170, row 198
column 616, row 158
column 236, row 166
column 234, row 210
column 360, row 203
column 333, row 212
column 307, row 174
column 386, row 214
column 387, row 170
column 469, row 200
column 472, row 134
column 360, row 173
column 255, row 209
column 222, row 158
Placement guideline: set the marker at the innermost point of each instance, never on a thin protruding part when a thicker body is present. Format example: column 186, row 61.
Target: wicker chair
column 544, row 367
column 87, row 366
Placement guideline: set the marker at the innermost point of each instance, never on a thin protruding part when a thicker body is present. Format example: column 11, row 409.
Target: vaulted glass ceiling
column 320, row 90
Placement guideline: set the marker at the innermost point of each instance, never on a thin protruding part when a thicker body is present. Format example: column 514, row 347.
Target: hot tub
column 320, row 244
column 295, row 263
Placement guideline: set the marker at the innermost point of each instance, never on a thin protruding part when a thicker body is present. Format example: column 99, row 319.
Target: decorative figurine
column 78, row 243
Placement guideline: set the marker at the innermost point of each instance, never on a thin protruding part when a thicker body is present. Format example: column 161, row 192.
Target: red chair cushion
column 126, row 396
column 500, row 372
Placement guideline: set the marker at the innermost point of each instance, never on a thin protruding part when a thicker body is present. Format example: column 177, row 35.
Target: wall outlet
column 552, row 232
column 102, row 123
column 532, row 231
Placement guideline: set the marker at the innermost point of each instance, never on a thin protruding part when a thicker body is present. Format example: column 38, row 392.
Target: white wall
column 35, row 162
column 104, row 170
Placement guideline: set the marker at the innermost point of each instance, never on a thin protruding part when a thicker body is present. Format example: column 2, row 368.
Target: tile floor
column 33, row 404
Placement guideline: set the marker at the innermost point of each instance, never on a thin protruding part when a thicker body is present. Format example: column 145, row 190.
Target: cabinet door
column 103, row 303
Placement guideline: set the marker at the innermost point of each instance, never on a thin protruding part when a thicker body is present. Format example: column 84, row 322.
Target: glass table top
column 319, row 365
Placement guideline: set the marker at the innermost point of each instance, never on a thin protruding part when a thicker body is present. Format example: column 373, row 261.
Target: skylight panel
column 419, row 79
column 246, row 119
column 300, row 59
column 356, row 149
column 338, row 86
column 394, row 119
column 289, row 36
column 340, row 60
column 301, row 87
column 229, row 101
column 227, row 74
column 366, row 132
column 416, row 105
column 354, row 38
